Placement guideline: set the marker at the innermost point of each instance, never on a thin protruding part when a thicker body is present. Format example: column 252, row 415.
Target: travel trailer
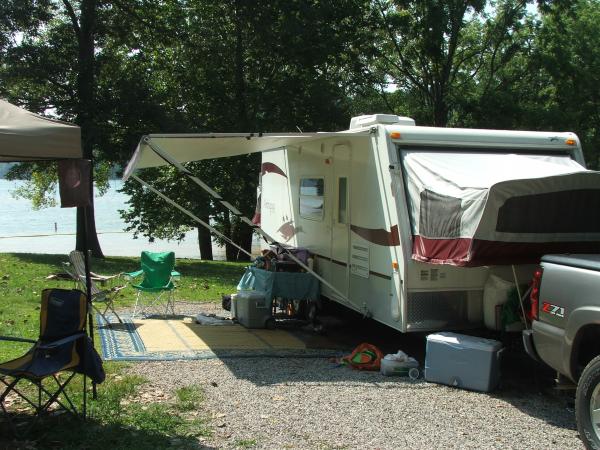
column 406, row 223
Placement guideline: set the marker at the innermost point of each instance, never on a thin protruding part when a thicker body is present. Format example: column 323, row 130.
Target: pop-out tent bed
column 473, row 209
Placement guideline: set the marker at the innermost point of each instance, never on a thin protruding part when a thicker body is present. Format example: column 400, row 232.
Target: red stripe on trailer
column 466, row 252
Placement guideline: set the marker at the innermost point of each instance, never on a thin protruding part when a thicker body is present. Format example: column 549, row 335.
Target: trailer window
column 342, row 199
column 312, row 195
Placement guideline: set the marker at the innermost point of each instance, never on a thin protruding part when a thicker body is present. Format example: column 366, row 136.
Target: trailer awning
column 195, row 147
column 470, row 209
column 25, row 136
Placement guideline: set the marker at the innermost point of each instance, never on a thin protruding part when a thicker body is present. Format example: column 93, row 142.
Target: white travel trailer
column 405, row 222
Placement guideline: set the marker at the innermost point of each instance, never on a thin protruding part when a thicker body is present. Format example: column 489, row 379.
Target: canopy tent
column 25, row 136
column 471, row 209
column 195, row 147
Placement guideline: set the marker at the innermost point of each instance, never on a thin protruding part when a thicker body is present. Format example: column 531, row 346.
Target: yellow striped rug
column 170, row 339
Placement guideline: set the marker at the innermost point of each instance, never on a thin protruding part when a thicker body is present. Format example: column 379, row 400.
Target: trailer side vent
column 440, row 309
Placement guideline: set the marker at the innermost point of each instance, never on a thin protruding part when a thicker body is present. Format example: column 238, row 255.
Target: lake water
column 52, row 230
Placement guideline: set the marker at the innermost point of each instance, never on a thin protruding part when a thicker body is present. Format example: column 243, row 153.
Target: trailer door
column 340, row 227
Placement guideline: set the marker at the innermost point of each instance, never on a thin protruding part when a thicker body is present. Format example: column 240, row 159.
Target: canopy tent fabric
column 470, row 209
column 195, row 147
column 25, row 136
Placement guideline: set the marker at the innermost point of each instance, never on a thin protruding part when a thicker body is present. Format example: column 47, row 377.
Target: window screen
column 312, row 198
column 440, row 215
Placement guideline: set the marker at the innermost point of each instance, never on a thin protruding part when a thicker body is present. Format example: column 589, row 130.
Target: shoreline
column 113, row 243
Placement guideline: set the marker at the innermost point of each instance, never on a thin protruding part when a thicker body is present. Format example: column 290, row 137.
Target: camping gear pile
column 275, row 288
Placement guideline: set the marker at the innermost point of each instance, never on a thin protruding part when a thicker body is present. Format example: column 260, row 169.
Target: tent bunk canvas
column 406, row 223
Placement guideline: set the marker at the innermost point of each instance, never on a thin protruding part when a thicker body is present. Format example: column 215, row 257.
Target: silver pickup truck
column 565, row 332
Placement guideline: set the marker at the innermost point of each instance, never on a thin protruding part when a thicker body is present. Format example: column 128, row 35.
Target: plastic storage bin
column 252, row 309
column 463, row 361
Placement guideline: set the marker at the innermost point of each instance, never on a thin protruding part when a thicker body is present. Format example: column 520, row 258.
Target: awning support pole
column 193, row 216
column 173, row 162
column 520, row 296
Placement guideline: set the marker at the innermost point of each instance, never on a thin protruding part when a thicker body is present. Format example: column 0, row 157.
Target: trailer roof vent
column 379, row 119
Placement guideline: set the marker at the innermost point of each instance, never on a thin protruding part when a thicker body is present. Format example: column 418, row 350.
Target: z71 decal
column 555, row 310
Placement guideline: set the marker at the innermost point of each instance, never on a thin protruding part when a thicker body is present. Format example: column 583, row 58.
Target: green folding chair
column 62, row 346
column 158, row 270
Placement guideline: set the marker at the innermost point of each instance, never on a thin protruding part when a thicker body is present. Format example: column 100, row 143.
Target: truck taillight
column 535, row 293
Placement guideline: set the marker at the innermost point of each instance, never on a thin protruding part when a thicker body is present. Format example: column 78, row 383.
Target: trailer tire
column 588, row 399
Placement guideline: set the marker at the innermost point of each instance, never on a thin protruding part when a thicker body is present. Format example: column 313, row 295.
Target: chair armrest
column 62, row 341
column 175, row 275
column 131, row 275
column 16, row 339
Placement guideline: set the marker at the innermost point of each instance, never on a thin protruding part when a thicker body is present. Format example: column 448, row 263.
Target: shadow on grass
column 69, row 433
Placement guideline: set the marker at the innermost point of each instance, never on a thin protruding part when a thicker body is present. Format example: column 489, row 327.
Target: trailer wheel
column 587, row 405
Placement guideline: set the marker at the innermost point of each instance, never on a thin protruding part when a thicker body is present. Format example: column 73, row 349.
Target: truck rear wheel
column 587, row 404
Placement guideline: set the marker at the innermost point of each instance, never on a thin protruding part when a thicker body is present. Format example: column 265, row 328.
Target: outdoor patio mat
column 160, row 339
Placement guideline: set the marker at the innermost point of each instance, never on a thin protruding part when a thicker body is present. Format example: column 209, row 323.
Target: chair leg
column 110, row 305
column 102, row 314
column 137, row 301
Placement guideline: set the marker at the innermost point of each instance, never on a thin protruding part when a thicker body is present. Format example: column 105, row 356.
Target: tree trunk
column 205, row 242
column 230, row 250
column 440, row 110
column 84, row 30
column 244, row 240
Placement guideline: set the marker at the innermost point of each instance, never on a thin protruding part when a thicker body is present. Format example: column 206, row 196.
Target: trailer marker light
column 570, row 142
column 395, row 135
column 395, row 265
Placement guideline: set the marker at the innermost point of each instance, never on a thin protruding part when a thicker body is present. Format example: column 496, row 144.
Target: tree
column 250, row 66
column 431, row 50
column 56, row 43
column 568, row 58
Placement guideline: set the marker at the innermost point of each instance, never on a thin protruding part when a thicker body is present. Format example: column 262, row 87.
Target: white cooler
column 463, row 361
column 252, row 310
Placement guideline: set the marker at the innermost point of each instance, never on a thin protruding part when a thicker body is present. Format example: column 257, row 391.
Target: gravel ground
column 311, row 403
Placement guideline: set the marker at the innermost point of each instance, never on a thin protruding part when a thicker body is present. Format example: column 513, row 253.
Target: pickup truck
column 565, row 331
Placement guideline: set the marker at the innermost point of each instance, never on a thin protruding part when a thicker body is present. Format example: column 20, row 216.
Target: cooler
column 252, row 309
column 463, row 361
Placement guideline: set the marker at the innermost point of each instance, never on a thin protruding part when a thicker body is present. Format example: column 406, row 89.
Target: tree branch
column 73, row 17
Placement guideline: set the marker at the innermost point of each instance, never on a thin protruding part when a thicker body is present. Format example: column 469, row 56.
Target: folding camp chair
column 105, row 296
column 158, row 271
column 62, row 345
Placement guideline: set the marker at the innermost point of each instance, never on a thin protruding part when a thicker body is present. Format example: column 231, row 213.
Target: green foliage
column 436, row 52
column 188, row 398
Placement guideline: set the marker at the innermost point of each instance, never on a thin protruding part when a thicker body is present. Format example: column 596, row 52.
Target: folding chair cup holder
column 62, row 346
column 158, row 273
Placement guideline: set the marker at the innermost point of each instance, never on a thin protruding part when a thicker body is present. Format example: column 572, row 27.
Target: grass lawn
column 121, row 417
